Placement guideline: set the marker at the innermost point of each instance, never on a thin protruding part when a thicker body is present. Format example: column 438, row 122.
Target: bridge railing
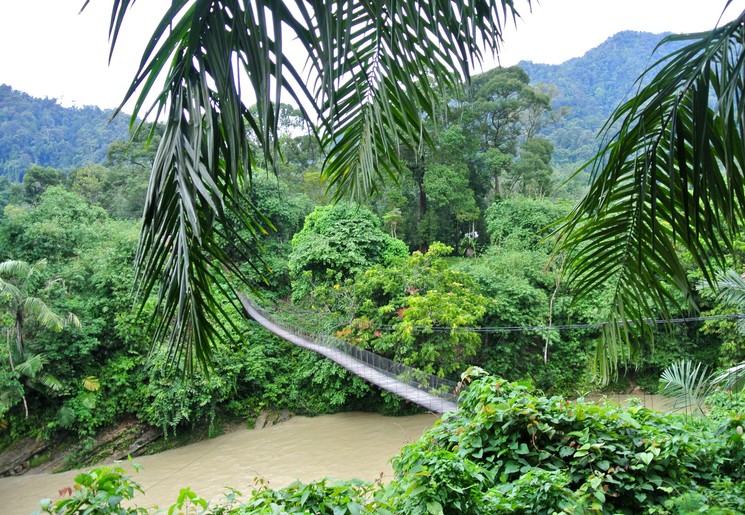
column 435, row 385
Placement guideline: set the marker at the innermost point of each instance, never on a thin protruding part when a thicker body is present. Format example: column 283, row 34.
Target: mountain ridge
column 588, row 88
column 585, row 91
column 42, row 132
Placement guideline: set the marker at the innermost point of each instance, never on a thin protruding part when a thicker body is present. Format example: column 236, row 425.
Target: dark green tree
column 37, row 179
column 337, row 242
column 53, row 229
column 500, row 112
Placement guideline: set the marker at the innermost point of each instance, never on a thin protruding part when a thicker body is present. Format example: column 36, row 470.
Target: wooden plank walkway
column 368, row 373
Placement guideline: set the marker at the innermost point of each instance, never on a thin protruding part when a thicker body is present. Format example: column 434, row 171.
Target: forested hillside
column 586, row 89
column 36, row 131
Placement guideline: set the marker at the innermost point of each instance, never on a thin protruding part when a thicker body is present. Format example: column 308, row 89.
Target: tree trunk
column 417, row 171
column 497, row 186
column 19, row 333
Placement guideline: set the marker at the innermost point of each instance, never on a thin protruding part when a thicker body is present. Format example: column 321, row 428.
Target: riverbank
column 342, row 446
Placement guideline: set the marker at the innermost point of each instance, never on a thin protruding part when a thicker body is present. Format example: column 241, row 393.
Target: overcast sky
column 49, row 50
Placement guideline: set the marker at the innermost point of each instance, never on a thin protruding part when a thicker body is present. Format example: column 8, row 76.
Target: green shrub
column 526, row 452
column 101, row 490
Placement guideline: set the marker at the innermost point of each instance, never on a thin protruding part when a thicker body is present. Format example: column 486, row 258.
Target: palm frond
column 732, row 379
column 72, row 320
column 10, row 289
column 670, row 177
column 731, row 288
column 66, row 417
column 14, row 268
column 18, row 276
column 42, row 314
column 687, row 385
column 31, row 365
column 368, row 73
column 377, row 100
column 91, row 383
column 50, row 382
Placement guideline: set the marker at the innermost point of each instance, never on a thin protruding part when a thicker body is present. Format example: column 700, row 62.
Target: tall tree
column 37, row 179
column 500, row 112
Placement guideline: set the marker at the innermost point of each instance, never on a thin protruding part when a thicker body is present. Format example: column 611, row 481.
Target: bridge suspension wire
column 560, row 327
column 429, row 391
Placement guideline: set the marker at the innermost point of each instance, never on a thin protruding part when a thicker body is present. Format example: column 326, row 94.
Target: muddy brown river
column 341, row 446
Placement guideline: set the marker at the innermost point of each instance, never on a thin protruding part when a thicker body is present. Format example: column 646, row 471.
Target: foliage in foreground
column 508, row 450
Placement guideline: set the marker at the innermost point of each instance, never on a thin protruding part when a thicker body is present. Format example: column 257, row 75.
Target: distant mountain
column 588, row 88
column 40, row 131
column 585, row 89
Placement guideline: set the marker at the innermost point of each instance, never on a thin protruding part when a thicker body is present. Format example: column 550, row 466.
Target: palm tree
column 365, row 73
column 18, row 280
column 670, row 177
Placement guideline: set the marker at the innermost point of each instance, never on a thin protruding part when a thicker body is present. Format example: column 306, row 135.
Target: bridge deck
column 365, row 371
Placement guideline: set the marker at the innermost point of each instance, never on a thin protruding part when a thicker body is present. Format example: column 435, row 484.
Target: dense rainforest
column 460, row 242
column 40, row 132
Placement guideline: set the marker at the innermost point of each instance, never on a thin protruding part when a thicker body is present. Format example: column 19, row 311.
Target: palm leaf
column 50, row 382
column 730, row 287
column 687, row 385
column 66, row 417
column 73, row 320
column 14, row 268
column 42, row 314
column 367, row 74
column 31, row 365
column 670, row 177
column 731, row 290
column 732, row 379
column 91, row 383
column 18, row 277
column 8, row 288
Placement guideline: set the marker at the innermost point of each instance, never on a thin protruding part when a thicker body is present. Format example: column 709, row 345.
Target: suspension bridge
column 426, row 390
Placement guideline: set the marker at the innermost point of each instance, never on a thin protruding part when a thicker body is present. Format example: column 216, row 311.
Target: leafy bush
column 101, row 490
column 413, row 310
column 318, row 497
column 342, row 239
column 582, row 457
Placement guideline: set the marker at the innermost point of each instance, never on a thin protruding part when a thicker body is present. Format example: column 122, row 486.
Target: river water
column 341, row 446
